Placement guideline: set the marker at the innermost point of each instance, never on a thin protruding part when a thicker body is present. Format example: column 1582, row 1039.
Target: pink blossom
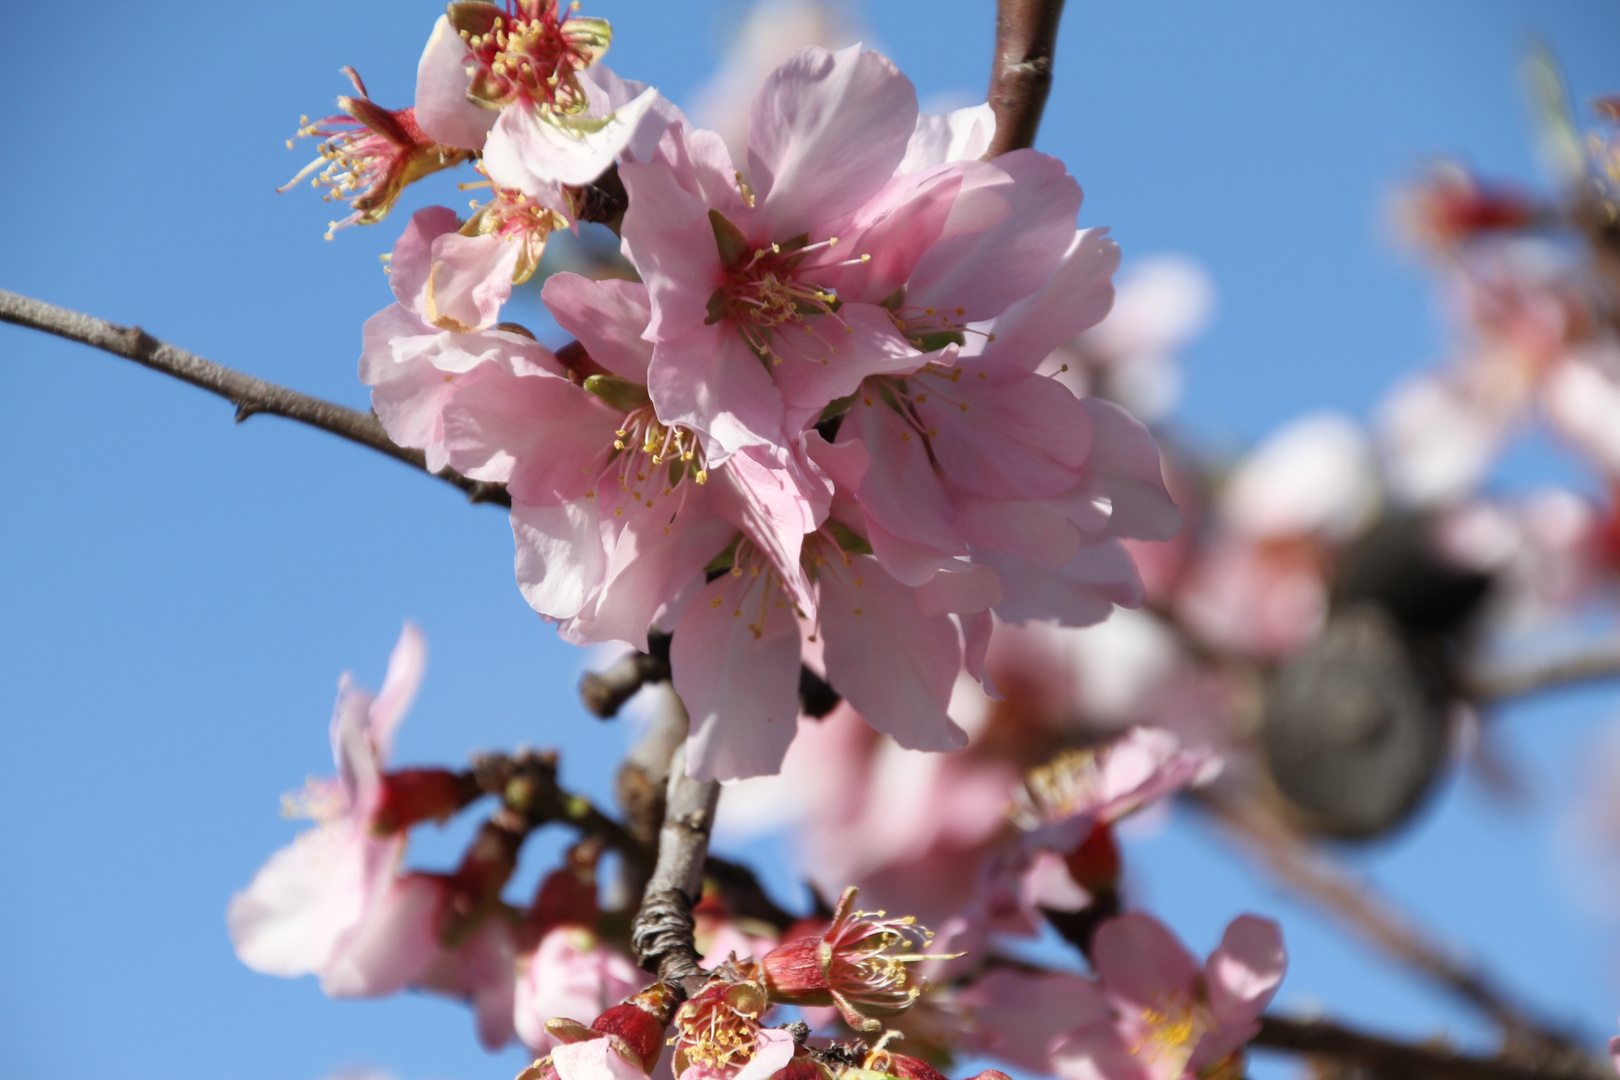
column 313, row 908
column 1171, row 1019
column 1062, row 800
column 414, row 367
column 522, row 84
column 792, row 268
column 570, row 973
column 718, row 1035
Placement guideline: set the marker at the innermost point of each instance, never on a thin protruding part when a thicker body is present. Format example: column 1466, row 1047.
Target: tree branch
column 1599, row 662
column 1297, row 864
column 250, row 395
column 662, row 932
column 1392, row 1059
column 1021, row 75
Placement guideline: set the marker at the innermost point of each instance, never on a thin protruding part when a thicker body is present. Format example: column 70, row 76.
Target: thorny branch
column 1021, row 74
column 1600, row 662
column 250, row 395
column 1293, row 861
column 1388, row 1058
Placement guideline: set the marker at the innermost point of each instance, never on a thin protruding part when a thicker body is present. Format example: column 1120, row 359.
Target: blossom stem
column 1387, row 1057
column 663, row 930
column 1296, row 863
column 1021, row 75
column 250, row 395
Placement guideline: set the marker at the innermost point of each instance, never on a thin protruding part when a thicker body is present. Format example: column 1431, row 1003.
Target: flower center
column 1171, row 1033
column 531, row 52
column 766, row 296
column 641, row 449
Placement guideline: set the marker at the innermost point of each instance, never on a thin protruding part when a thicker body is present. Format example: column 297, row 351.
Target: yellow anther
column 866, row 258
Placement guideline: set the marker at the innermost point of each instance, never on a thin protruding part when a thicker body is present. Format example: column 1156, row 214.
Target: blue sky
column 180, row 594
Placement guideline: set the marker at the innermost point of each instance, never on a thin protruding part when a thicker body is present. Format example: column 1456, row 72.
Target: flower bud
column 1095, row 864
column 412, row 796
column 635, row 1027
column 854, row 964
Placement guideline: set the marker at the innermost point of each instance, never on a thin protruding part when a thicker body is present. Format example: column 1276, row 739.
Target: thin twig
column 250, row 395
column 1392, row 1059
column 1021, row 75
column 1599, row 662
column 663, row 932
column 1297, row 864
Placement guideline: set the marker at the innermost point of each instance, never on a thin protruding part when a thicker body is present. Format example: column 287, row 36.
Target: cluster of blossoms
column 814, row 432
column 850, row 423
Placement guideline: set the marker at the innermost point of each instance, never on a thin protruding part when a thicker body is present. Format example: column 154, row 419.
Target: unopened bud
column 635, row 1028
column 412, row 796
column 1095, row 864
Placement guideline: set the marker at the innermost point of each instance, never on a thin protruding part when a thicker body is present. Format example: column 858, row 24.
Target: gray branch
column 1600, row 662
column 663, row 931
column 250, row 395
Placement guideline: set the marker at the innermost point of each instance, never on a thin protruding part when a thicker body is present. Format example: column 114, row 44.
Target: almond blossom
column 1170, row 1018
column 521, row 83
column 311, row 909
column 766, row 295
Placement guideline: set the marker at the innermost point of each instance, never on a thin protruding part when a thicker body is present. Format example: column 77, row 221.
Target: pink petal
column 1125, row 459
column 412, row 260
column 977, row 629
column 1141, row 961
column 893, row 663
column 663, row 547
column 393, row 944
column 960, row 587
column 544, row 436
column 827, row 130
column 812, row 373
column 668, row 236
column 1245, row 971
column 735, row 657
column 1074, row 299
column 405, row 666
column 1005, row 433
column 608, row 317
column 303, row 901
column 900, row 224
column 710, row 381
column 768, row 494
column 442, row 80
column 773, row 1049
column 1083, row 592
column 470, row 278
column 899, row 490
column 593, row 1059
column 526, row 149
column 560, row 562
column 1021, row 1017
column 986, row 270
column 962, row 135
